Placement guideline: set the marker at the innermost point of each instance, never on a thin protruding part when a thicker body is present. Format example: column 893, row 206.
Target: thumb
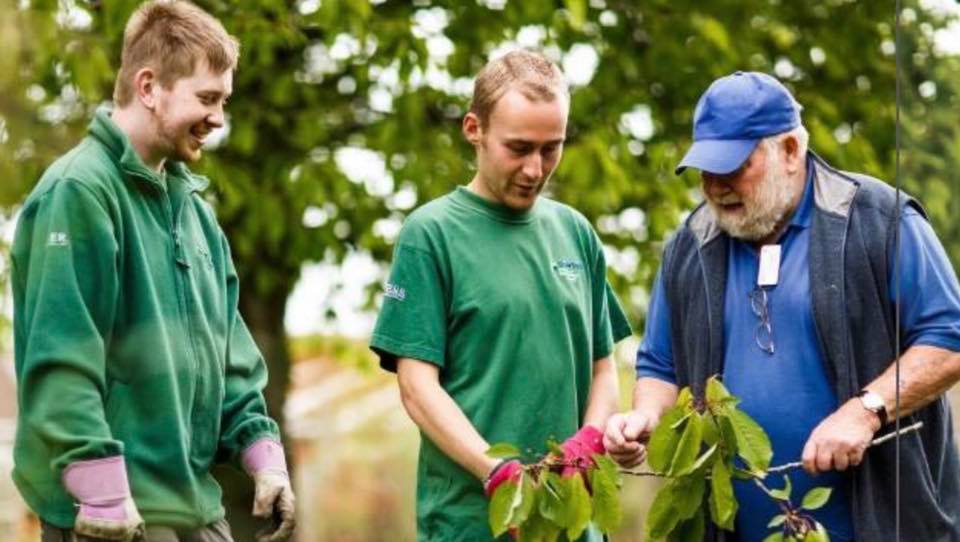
column 634, row 427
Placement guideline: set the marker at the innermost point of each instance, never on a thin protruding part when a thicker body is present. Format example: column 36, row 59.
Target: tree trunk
column 264, row 316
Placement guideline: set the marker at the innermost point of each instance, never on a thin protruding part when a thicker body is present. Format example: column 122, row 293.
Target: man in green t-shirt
column 497, row 316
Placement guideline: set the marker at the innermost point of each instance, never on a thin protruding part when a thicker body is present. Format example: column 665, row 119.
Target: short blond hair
column 529, row 72
column 171, row 36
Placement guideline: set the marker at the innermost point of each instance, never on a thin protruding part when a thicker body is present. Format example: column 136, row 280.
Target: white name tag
column 769, row 273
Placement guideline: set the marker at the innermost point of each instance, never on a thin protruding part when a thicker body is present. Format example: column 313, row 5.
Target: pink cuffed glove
column 505, row 471
column 273, row 496
column 106, row 508
column 578, row 450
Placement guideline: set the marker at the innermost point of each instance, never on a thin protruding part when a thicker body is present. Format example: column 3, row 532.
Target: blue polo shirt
column 788, row 392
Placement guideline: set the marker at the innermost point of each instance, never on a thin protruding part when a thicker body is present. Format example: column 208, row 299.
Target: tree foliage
column 326, row 84
column 320, row 79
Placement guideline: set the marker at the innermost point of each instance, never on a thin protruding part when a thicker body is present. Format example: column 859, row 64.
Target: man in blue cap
column 786, row 282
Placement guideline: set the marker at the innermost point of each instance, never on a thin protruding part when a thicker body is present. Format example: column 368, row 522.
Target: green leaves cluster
column 543, row 504
column 701, row 445
column 793, row 525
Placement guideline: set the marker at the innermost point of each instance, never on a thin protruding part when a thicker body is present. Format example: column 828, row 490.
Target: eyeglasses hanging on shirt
column 767, row 277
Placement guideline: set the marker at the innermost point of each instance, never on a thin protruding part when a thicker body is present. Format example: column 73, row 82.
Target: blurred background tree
column 346, row 114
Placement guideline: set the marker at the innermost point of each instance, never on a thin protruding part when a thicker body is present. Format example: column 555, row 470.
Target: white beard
column 765, row 210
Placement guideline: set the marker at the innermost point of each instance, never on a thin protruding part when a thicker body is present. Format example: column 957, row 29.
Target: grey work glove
column 106, row 509
column 273, row 497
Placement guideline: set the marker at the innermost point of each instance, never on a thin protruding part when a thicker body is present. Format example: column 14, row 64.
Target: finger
column 809, row 457
column 630, row 459
column 287, row 513
column 840, row 461
column 824, row 460
column 263, row 499
column 856, row 457
column 634, row 428
column 629, row 450
column 614, row 432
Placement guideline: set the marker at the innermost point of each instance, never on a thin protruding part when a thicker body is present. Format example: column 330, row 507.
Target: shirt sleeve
column 655, row 354
column 929, row 293
column 413, row 319
column 610, row 324
column 65, row 289
column 244, row 418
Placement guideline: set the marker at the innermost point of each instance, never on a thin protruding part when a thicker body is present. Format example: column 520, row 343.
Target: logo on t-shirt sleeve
column 397, row 292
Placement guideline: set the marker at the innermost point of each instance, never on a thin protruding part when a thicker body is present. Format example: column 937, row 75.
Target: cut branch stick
column 874, row 442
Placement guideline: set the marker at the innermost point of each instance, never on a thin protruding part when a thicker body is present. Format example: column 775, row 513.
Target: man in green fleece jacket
column 136, row 372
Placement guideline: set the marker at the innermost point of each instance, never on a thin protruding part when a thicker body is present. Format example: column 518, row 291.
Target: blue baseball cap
column 733, row 115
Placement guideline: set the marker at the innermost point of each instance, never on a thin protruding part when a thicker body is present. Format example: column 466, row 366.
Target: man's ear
column 145, row 84
column 472, row 130
column 792, row 159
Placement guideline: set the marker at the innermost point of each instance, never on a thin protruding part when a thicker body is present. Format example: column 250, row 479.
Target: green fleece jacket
column 127, row 335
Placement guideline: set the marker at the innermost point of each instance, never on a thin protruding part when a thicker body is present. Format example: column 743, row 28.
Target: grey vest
column 851, row 241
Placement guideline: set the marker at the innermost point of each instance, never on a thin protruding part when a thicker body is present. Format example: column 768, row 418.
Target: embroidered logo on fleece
column 568, row 269
column 58, row 239
column 394, row 291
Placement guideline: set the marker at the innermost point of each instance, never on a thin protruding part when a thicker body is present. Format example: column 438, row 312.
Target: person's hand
column 578, row 450
column 106, row 509
column 273, row 495
column 626, row 436
column 840, row 440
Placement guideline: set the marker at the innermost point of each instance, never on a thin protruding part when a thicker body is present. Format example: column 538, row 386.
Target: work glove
column 273, row 495
column 579, row 450
column 106, row 509
column 506, row 472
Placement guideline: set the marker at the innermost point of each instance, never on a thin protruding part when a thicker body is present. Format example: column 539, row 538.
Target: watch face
column 872, row 401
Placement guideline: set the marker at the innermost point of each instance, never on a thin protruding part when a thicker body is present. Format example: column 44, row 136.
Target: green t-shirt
column 514, row 307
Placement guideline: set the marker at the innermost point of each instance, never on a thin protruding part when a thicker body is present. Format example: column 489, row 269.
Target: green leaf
column 690, row 530
column 711, row 433
column 679, row 423
column 663, row 441
column 689, row 445
column 783, row 494
column 502, row 450
column 680, row 499
column 552, row 498
column 538, row 529
column 505, row 500
column 578, row 507
column 728, row 436
column 662, row 516
column 723, row 505
column 774, row 537
column 702, row 460
column 688, row 498
column 527, row 502
column 555, row 448
column 753, row 445
column 818, row 534
column 607, row 512
column 609, row 468
column 716, row 391
column 777, row 520
column 816, row 497
column 685, row 399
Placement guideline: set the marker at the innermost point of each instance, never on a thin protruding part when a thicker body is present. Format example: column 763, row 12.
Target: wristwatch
column 874, row 403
